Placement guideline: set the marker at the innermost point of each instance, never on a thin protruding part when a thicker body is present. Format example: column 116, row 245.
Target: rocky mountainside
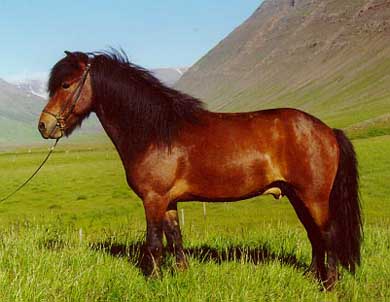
column 327, row 57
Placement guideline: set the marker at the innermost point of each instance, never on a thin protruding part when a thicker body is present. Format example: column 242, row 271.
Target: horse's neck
column 114, row 130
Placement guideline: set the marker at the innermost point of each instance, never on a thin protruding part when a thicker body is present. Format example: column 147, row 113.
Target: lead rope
column 32, row 176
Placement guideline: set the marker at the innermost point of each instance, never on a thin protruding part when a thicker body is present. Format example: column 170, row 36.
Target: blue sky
column 154, row 33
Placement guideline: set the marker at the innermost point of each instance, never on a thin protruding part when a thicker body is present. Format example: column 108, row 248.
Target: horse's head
column 70, row 94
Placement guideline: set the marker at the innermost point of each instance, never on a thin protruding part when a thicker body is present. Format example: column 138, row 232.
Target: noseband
column 62, row 116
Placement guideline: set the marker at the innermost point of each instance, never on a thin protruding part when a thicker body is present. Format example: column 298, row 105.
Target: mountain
column 169, row 76
column 330, row 58
column 18, row 114
column 35, row 86
column 16, row 104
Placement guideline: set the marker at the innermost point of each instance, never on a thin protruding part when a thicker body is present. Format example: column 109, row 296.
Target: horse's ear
column 68, row 53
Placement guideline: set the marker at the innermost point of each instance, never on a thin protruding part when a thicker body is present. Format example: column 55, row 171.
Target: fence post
column 182, row 217
column 81, row 235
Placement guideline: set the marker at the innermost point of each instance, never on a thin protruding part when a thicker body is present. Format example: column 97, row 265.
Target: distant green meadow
column 74, row 234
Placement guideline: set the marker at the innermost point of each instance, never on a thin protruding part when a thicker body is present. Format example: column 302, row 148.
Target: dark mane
column 132, row 96
column 146, row 108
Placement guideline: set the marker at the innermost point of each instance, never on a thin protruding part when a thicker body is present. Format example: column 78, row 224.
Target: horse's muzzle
column 47, row 126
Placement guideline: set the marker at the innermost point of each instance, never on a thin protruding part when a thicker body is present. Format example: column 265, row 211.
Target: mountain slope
column 33, row 86
column 169, row 76
column 17, row 104
column 18, row 114
column 327, row 57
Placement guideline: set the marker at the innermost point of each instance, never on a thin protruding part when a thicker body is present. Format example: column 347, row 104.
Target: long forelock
column 63, row 70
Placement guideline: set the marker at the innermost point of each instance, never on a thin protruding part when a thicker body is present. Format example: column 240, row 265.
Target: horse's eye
column 65, row 85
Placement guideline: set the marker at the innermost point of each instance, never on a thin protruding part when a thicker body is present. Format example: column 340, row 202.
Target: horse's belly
column 235, row 177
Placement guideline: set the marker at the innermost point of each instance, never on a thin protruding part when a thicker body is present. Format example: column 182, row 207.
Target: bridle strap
column 63, row 116
column 77, row 92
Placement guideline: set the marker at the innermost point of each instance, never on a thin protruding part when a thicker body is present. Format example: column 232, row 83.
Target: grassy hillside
column 330, row 58
column 14, row 131
column 16, row 104
column 74, row 234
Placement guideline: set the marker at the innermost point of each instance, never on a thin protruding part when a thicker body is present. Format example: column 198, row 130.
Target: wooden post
column 204, row 211
column 182, row 217
column 81, row 235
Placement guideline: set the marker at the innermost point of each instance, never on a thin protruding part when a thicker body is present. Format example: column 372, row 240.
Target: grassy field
column 74, row 234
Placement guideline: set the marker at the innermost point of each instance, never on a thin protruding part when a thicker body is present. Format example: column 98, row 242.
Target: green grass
column 51, row 231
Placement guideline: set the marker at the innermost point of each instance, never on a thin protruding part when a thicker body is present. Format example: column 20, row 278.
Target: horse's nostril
column 41, row 126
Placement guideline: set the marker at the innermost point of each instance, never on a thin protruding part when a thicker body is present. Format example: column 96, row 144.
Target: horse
column 173, row 150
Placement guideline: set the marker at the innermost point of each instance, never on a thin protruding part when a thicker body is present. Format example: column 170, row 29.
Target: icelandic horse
column 175, row 150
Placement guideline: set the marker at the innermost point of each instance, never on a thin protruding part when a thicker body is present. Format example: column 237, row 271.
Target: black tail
column 346, row 221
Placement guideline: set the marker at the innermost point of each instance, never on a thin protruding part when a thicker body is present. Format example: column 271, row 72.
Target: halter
column 63, row 115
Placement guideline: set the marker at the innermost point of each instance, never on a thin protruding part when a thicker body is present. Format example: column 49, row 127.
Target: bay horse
column 175, row 150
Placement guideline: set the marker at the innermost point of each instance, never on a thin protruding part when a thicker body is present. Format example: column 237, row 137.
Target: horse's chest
column 157, row 171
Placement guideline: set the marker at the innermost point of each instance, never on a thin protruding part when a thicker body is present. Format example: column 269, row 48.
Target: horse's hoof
column 329, row 284
column 155, row 274
column 149, row 268
column 331, row 281
column 151, row 272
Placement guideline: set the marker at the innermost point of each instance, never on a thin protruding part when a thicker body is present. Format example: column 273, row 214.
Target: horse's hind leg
column 320, row 212
column 332, row 274
column 314, row 215
column 317, row 266
column 172, row 233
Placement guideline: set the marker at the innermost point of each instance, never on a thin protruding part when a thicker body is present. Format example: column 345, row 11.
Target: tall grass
column 75, row 234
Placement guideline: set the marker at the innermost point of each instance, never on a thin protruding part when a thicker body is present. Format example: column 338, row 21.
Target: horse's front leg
column 173, row 235
column 155, row 207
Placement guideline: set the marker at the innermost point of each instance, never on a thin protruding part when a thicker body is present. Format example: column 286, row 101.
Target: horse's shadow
column 205, row 253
